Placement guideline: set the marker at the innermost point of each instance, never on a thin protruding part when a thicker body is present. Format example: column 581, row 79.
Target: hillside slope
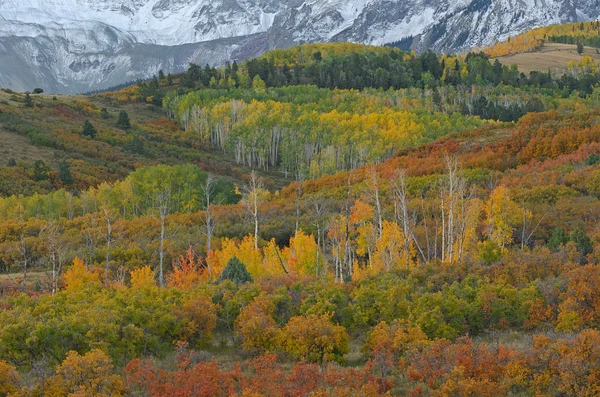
column 332, row 219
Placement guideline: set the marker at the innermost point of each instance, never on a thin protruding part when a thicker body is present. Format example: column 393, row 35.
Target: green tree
column 236, row 271
column 592, row 159
column 38, row 91
column 582, row 242
column 558, row 238
column 123, row 121
column 40, row 170
column 258, row 83
column 64, row 172
column 104, row 113
column 88, row 129
column 28, row 101
column 136, row 145
column 579, row 47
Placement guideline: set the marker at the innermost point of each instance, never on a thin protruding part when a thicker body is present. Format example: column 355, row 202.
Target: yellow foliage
column 303, row 254
column 388, row 250
column 534, row 39
column 87, row 375
column 79, row 277
column 142, row 278
column 502, row 215
column 9, row 379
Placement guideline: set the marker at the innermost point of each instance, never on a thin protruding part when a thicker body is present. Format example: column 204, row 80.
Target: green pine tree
column 236, row 271
column 582, row 242
column 123, row 121
column 88, row 129
column 558, row 238
column 64, row 172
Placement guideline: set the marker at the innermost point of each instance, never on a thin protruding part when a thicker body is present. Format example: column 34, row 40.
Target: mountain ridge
column 73, row 46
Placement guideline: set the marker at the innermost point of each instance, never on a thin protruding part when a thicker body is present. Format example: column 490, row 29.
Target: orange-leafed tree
column 188, row 272
column 9, row 379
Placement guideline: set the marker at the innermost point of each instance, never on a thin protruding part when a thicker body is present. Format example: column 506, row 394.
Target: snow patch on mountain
column 75, row 45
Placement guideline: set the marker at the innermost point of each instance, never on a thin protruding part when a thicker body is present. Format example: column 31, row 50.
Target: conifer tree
column 64, row 172
column 123, row 121
column 236, row 272
column 88, row 129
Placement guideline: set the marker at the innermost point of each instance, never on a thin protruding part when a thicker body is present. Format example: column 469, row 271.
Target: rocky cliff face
column 81, row 45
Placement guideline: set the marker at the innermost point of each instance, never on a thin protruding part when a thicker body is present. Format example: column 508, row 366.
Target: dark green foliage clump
column 592, row 159
column 40, row 171
column 64, row 172
column 123, row 121
column 236, row 271
column 88, row 129
column 582, row 242
column 558, row 238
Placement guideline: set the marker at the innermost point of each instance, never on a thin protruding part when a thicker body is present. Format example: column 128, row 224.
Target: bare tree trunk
column 55, row 249
column 319, row 222
column 299, row 192
column 24, row 251
column 208, row 190
column 108, row 217
column 442, row 193
column 376, row 200
column 90, row 240
column 347, row 255
column 402, row 200
column 426, row 228
column 162, row 201
column 253, row 192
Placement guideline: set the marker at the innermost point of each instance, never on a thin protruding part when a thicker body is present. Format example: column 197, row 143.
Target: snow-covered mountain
column 79, row 45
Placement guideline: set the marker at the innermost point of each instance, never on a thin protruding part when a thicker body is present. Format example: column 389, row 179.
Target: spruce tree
column 558, row 238
column 236, row 271
column 123, row 121
column 582, row 242
column 88, row 129
column 64, row 172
